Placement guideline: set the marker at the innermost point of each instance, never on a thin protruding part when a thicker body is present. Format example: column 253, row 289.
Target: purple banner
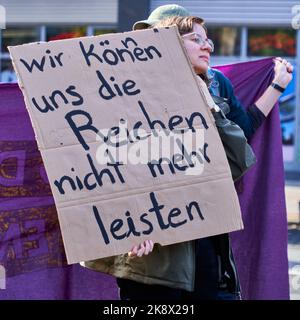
column 31, row 248
column 261, row 248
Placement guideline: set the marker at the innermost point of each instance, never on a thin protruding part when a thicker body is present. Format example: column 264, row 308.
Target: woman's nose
column 206, row 46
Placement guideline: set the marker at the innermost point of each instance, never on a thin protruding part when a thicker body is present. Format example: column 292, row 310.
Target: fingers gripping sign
column 143, row 248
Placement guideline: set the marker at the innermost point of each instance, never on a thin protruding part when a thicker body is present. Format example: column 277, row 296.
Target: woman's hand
column 143, row 248
column 283, row 76
column 283, row 72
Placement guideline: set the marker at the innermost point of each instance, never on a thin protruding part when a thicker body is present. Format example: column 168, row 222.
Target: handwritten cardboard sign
column 114, row 92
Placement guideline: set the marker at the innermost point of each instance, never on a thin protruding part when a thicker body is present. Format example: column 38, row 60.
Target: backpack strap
column 214, row 83
column 222, row 103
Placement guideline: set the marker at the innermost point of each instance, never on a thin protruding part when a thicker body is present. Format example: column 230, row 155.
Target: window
column 226, row 39
column 61, row 32
column 99, row 31
column 13, row 36
column 7, row 73
column 271, row 42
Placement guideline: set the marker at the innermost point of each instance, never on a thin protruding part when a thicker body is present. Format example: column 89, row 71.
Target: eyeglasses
column 193, row 36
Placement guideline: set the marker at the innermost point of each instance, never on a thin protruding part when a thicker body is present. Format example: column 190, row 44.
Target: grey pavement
column 294, row 260
column 293, row 214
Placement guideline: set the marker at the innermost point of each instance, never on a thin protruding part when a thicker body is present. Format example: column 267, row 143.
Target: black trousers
column 206, row 281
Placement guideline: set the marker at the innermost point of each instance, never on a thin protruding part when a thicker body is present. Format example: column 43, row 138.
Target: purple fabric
column 31, row 248
column 30, row 241
column 260, row 249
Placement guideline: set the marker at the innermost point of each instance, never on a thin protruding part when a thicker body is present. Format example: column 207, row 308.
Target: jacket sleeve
column 248, row 120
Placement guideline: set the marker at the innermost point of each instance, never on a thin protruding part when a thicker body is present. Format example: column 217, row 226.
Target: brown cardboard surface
column 105, row 217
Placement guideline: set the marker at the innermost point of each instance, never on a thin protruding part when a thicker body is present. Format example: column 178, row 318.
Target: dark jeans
column 206, row 281
column 131, row 290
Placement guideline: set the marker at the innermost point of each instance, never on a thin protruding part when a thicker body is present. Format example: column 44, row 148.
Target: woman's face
column 199, row 53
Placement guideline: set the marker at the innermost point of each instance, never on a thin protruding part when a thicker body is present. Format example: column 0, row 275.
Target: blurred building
column 45, row 20
column 241, row 30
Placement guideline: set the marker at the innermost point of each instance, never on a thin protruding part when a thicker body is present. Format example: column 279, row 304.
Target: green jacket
column 172, row 266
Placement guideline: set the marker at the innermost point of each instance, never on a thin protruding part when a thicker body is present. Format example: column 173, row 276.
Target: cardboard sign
column 104, row 97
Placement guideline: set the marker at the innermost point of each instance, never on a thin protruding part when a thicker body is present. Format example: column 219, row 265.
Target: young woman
column 203, row 268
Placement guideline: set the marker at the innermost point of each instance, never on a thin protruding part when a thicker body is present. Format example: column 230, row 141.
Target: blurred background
column 241, row 30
